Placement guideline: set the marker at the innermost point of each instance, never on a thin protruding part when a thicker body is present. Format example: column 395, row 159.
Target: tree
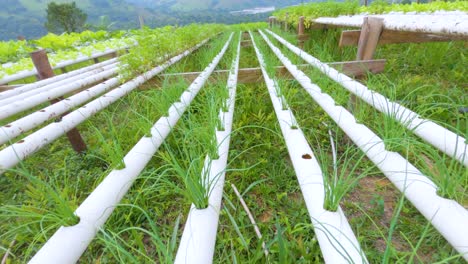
column 65, row 17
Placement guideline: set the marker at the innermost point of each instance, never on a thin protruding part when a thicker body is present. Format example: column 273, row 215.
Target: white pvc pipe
column 454, row 23
column 334, row 234
column 443, row 139
column 69, row 243
column 26, row 74
column 112, row 68
column 447, row 216
column 24, row 124
column 42, row 97
column 32, row 86
column 13, row 154
column 197, row 244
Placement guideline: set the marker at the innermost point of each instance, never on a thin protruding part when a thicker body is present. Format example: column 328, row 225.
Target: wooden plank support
column 370, row 34
column 301, row 36
column 254, row 75
column 44, row 70
column 351, row 37
column 246, row 43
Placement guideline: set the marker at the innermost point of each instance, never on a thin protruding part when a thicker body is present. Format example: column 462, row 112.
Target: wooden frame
column 351, row 37
column 254, row 75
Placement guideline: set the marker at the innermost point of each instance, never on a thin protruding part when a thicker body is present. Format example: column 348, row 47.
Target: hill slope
column 27, row 17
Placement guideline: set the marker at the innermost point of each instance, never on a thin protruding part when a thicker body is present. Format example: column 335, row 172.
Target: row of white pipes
column 15, row 153
column 198, row 240
column 26, row 123
column 443, row 139
column 447, row 216
column 26, row 74
column 41, row 83
column 28, row 100
column 337, row 241
column 453, row 23
column 69, row 243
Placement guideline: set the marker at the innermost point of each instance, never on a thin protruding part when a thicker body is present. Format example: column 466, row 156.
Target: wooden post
column 142, row 21
column 286, row 23
column 301, row 26
column 369, row 38
column 270, row 22
column 44, row 71
column 300, row 32
column 371, row 30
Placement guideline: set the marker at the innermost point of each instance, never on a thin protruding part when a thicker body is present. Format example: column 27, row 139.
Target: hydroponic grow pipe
column 13, row 154
column 32, row 86
column 443, row 139
column 446, row 215
column 334, row 234
column 452, row 23
column 26, row 74
column 42, row 97
column 26, row 123
column 68, row 243
column 198, row 240
column 65, row 84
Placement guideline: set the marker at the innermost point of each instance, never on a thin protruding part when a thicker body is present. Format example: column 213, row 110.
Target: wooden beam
column 44, row 70
column 351, row 37
column 370, row 33
column 246, row 43
column 254, row 75
column 359, row 68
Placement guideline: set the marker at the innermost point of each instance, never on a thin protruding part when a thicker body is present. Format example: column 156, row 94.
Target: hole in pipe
column 71, row 220
column 21, row 141
column 306, row 156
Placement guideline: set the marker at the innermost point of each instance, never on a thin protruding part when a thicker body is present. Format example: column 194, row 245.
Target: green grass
column 47, row 187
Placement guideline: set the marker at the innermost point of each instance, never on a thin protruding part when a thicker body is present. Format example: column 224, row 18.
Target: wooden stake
column 251, row 218
column 7, row 253
column 300, row 32
column 142, row 21
column 369, row 38
column 301, row 26
column 44, row 71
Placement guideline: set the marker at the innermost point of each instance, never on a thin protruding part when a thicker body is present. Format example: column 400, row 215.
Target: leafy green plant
column 342, row 171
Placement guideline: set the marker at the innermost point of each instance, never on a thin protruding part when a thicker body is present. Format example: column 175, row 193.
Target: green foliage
column 351, row 7
column 146, row 225
column 120, row 41
column 11, row 51
column 156, row 45
column 66, row 17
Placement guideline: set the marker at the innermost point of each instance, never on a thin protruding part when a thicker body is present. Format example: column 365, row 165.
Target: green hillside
column 27, row 17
